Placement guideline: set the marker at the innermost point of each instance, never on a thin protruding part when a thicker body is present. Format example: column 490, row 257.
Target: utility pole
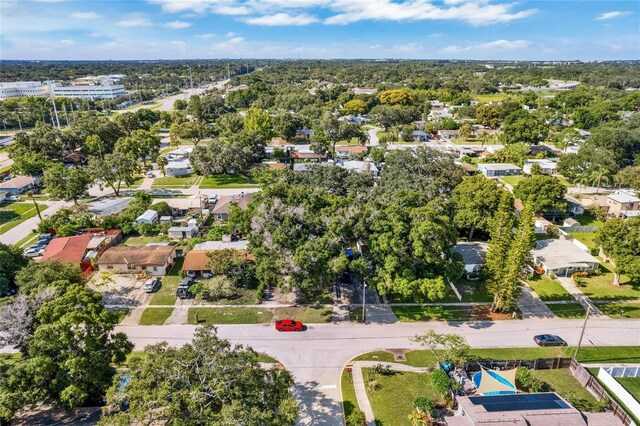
column 55, row 109
column 584, row 326
column 191, row 80
column 364, row 300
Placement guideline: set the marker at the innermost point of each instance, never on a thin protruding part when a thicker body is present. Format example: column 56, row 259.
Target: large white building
column 106, row 90
column 20, row 89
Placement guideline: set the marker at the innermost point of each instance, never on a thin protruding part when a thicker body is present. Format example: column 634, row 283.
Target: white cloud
column 612, row 15
column 207, row 36
column 228, row 44
column 281, row 19
column 134, row 21
column 436, row 35
column 177, row 25
column 230, row 34
column 67, row 42
column 409, row 47
column 96, row 34
column 85, row 15
column 497, row 45
column 342, row 12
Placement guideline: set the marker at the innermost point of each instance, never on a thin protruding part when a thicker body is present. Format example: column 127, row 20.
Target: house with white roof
column 178, row 168
column 359, row 166
column 623, row 203
column 149, row 217
column 180, row 153
column 562, row 258
column 498, row 169
column 547, row 166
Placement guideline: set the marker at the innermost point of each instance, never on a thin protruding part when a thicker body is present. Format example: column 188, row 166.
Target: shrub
column 218, row 288
column 529, row 382
column 580, row 274
column 356, row 418
column 441, row 382
column 422, row 403
column 373, row 385
column 385, row 370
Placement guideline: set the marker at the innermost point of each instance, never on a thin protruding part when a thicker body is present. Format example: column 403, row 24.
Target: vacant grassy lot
column 588, row 354
column 166, row 295
column 155, row 316
column 11, row 215
column 491, row 97
column 601, row 286
column 547, row 288
column 241, row 315
column 620, row 310
column 244, row 296
column 143, row 241
column 472, row 291
column 174, row 182
column 512, row 180
column 567, row 310
column 227, row 181
column 562, row 381
column 392, row 402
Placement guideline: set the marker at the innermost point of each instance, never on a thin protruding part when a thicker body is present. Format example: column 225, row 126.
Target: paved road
column 373, row 136
column 316, row 357
column 20, row 231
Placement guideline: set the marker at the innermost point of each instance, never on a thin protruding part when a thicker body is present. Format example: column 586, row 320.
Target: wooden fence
column 588, row 381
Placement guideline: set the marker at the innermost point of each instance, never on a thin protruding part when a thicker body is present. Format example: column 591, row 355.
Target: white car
column 34, row 252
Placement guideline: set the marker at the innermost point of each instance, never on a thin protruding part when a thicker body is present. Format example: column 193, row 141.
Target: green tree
column 397, row 97
column 546, row 194
column 629, row 177
column 599, row 176
column 233, row 264
column 32, row 195
column 209, row 381
column 620, row 240
column 193, row 131
column 488, row 115
column 354, row 107
column 35, row 277
column 451, row 348
column 11, row 261
column 112, row 170
column 162, row 162
column 475, row 201
column 523, row 127
column 501, row 236
column 66, row 183
column 69, row 356
column 515, row 153
column 466, row 131
column 258, row 121
column 180, row 105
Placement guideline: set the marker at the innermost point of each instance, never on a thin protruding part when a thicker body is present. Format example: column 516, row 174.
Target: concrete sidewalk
column 568, row 284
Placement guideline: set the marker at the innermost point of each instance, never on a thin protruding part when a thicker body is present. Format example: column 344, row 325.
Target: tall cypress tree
column 501, row 234
column 508, row 284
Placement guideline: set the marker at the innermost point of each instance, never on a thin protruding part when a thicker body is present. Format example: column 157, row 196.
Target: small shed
column 149, row 216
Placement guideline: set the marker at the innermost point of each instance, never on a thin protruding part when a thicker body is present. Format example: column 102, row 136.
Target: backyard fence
column 608, row 377
column 578, row 228
column 532, row 364
column 589, row 382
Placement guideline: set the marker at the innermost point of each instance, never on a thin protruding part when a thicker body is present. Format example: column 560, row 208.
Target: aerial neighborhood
column 365, row 242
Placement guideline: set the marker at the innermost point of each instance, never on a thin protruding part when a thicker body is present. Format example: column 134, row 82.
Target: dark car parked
column 183, row 288
column 549, row 340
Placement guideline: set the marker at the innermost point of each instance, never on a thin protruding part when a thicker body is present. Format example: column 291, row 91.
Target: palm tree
column 31, row 195
column 582, row 179
column 162, row 162
column 419, row 418
column 599, row 176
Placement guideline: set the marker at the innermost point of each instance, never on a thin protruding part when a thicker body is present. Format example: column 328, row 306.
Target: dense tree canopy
column 544, row 193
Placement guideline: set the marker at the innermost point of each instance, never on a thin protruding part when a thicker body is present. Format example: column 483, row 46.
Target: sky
column 320, row 29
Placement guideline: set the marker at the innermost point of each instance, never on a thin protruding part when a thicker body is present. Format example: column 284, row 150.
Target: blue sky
column 421, row 29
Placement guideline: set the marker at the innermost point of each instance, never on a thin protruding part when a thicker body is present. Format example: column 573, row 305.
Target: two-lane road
column 316, row 356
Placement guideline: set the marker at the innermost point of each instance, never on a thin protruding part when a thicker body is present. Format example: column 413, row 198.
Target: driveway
column 373, row 136
column 316, row 357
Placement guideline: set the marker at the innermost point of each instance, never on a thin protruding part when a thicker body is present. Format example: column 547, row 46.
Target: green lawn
column 11, row 215
column 155, row 316
column 137, row 180
column 587, row 238
column 567, row 310
column 266, row 358
column 547, row 288
column 445, row 313
column 512, row 180
column 600, row 287
column 393, row 401
column 562, row 381
column 620, row 310
column 472, row 291
column 5, row 168
column 588, row 354
column 174, row 182
column 142, row 241
column 244, row 296
column 227, row 181
column 166, row 295
column 632, row 385
column 242, row 315
column 27, row 241
column 349, row 401
column 491, row 97
column 587, row 219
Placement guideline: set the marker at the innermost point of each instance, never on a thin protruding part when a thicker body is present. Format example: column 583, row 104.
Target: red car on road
column 289, row 325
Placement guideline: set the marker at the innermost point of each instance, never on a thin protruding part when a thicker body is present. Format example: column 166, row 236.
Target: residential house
column 69, row 249
column 180, row 154
column 359, row 166
column 498, row 169
column 155, row 260
column 148, row 217
column 575, row 207
column 440, row 114
column 109, row 205
column 541, row 225
column 350, row 150
column 419, row 136
column 304, row 134
column 534, row 409
column 473, row 254
column 562, row 258
column 222, row 208
column 363, row 91
column 491, row 133
column 300, row 154
column 178, row 168
column 547, row 167
column 358, row 119
column 624, row 203
column 3, row 196
column 435, row 104
column 184, row 232
column 196, row 261
column 469, row 168
column 19, row 184
column 199, row 204
column 447, row 135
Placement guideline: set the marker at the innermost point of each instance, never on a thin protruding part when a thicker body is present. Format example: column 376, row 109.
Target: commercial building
column 106, row 90
column 21, row 89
